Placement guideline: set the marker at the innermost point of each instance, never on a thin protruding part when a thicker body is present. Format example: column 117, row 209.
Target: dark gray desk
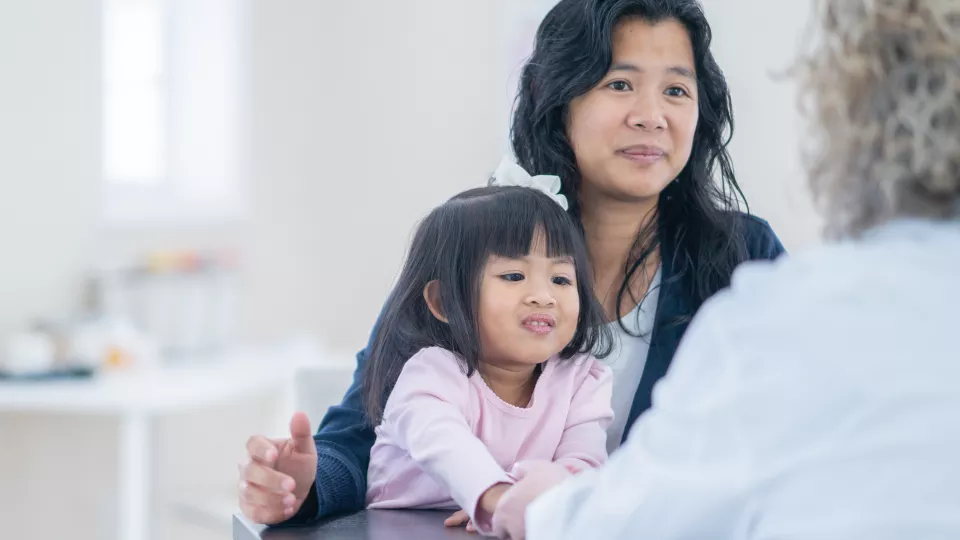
column 366, row 525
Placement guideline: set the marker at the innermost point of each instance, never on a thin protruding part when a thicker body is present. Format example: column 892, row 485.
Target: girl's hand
column 533, row 479
column 485, row 507
column 491, row 497
column 459, row 518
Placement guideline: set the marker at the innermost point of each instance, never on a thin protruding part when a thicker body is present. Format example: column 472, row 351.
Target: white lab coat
column 818, row 398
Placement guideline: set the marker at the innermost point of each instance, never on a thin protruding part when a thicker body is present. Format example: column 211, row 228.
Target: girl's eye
column 560, row 280
column 512, row 276
column 619, row 86
column 676, row 91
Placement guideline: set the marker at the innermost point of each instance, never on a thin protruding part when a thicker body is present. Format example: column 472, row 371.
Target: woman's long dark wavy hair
column 696, row 213
column 452, row 246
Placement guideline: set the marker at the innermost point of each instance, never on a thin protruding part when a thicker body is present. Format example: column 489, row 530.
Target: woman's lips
column 643, row 154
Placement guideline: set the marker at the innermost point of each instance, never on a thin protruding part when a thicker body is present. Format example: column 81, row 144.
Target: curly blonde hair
column 881, row 92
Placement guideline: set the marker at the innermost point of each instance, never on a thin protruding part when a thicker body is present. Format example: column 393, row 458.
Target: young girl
column 484, row 350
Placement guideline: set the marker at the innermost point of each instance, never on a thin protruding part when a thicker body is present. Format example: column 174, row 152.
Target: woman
column 623, row 100
column 817, row 398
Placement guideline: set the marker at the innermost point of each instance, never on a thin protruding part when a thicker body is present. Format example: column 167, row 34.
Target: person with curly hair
column 819, row 396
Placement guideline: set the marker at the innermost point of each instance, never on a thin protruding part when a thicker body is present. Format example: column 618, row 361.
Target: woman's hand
column 533, row 479
column 277, row 474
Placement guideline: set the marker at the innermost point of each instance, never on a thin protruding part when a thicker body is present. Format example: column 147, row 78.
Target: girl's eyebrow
column 564, row 259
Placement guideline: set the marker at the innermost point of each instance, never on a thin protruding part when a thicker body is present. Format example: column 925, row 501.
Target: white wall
column 755, row 42
column 49, row 90
column 364, row 115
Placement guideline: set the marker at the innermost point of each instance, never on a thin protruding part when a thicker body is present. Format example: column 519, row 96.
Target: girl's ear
column 431, row 294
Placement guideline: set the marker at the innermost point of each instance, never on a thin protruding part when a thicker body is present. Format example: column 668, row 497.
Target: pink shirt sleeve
column 427, row 411
column 583, row 444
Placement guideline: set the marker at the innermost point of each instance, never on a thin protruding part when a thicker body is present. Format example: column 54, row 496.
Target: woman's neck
column 611, row 230
column 514, row 385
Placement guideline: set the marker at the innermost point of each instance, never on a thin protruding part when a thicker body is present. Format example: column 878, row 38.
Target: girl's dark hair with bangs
column 452, row 246
column 572, row 53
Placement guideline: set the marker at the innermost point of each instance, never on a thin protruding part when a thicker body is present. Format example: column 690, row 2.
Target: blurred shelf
column 188, row 384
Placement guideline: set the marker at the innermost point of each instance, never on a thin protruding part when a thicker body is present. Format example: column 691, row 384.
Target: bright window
column 172, row 110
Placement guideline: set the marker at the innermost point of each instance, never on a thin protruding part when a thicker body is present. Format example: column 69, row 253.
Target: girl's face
column 528, row 307
column 633, row 133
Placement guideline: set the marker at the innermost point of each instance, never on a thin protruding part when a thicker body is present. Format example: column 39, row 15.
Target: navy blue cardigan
column 344, row 438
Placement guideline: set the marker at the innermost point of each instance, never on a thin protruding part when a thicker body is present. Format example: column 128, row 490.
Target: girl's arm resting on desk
column 584, row 441
column 583, row 446
column 426, row 412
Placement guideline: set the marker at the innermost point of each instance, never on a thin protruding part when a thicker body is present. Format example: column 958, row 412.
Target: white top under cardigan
column 629, row 357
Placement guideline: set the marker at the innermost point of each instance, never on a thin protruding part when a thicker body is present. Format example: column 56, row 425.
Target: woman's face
column 632, row 133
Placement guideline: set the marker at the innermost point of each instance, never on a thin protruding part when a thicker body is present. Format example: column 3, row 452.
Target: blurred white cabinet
column 138, row 399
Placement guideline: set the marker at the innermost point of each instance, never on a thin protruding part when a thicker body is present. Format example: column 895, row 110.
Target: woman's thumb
column 300, row 433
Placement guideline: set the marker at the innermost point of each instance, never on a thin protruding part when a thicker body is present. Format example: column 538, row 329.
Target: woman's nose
column 647, row 113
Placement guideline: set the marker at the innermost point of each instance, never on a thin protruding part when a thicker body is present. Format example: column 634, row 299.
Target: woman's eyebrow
column 676, row 70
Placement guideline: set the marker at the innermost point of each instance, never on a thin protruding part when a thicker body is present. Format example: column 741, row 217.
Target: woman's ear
column 431, row 294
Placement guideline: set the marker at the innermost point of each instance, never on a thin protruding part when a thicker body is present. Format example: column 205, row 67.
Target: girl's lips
column 539, row 323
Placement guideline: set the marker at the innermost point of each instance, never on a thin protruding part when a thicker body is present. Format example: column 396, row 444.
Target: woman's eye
column 676, row 91
column 560, row 280
column 619, row 86
column 512, row 276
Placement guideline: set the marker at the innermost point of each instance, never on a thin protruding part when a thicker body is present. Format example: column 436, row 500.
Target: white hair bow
column 511, row 174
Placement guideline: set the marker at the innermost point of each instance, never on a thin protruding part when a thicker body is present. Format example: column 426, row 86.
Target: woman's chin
column 638, row 186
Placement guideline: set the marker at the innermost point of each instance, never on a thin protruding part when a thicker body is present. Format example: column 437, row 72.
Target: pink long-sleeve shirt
column 446, row 438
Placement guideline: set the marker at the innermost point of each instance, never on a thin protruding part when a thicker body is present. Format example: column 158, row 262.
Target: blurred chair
column 316, row 388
